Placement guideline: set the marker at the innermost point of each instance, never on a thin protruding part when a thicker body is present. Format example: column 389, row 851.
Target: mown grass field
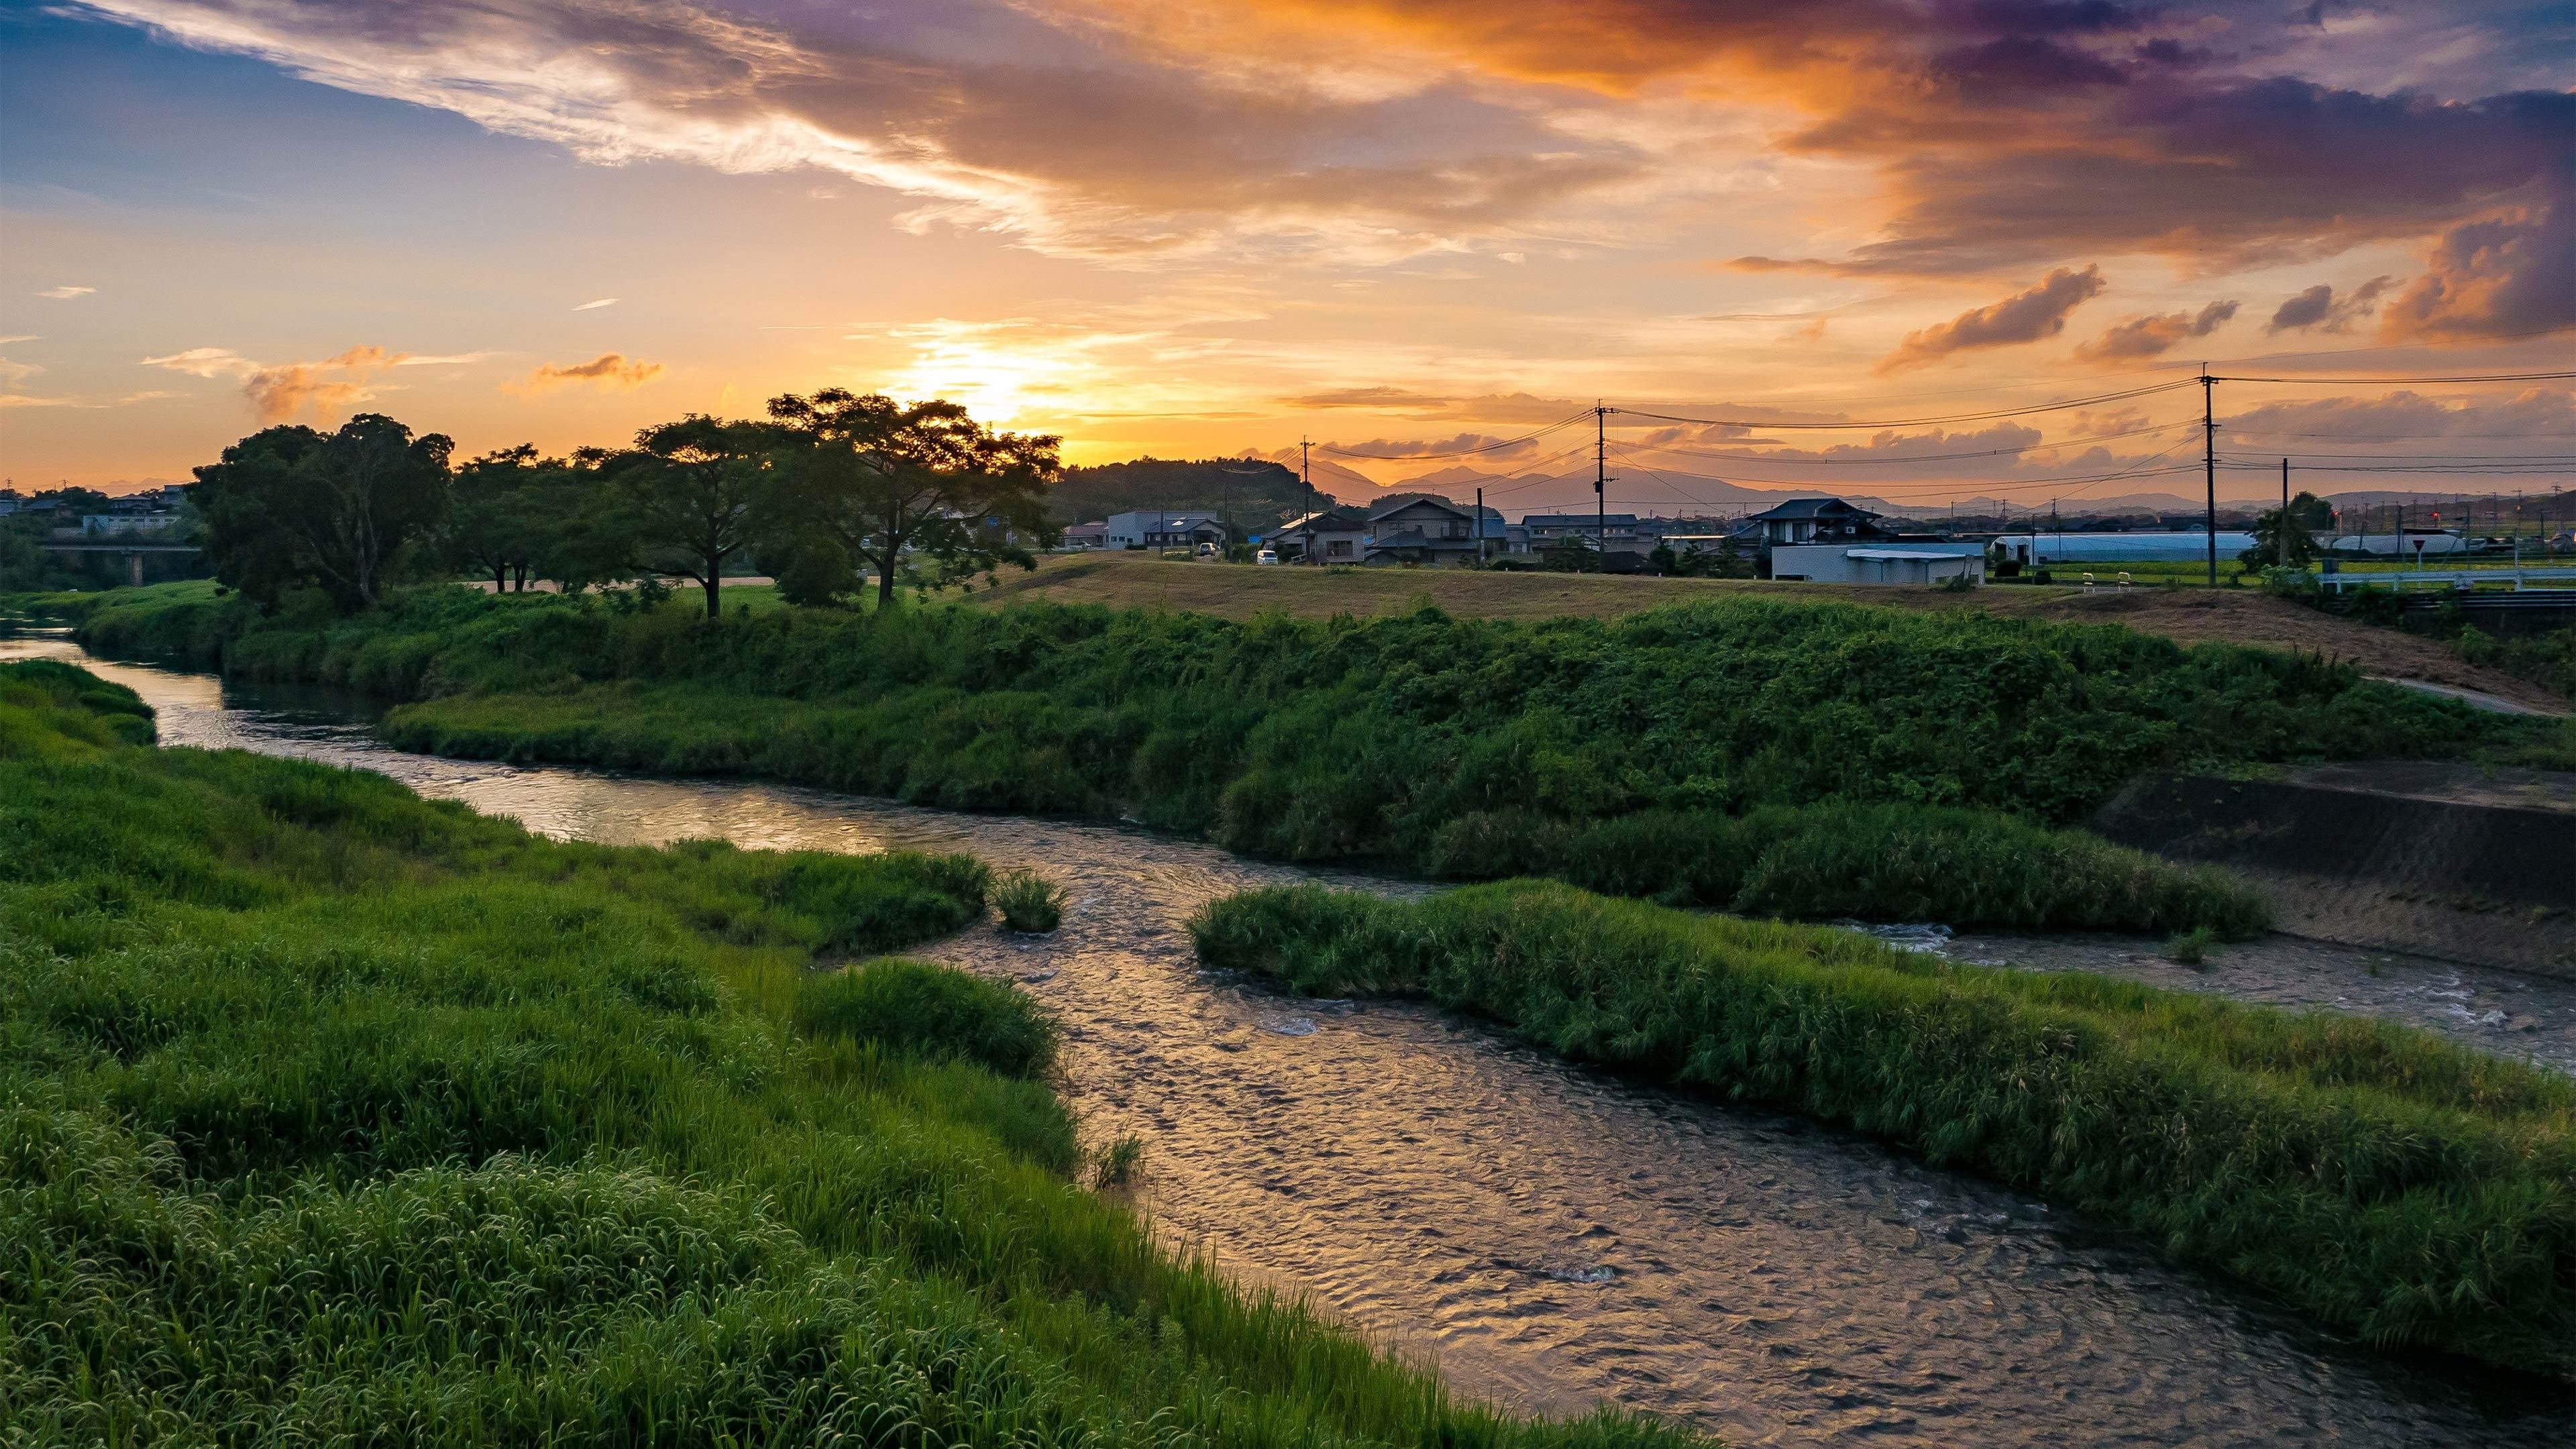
column 2406, row 1189
column 337, row 1116
column 2183, row 613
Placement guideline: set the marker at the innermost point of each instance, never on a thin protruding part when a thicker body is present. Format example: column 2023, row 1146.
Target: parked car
column 1266, row 556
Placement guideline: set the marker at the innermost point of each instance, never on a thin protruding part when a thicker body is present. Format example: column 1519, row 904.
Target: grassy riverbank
column 2411, row 1191
column 335, row 1114
column 1423, row 743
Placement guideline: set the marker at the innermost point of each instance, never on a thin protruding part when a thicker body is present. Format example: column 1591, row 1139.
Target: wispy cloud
column 17, row 372
column 607, row 370
column 21, row 337
column 2025, row 316
column 595, row 306
column 206, row 362
column 451, row 360
column 21, row 400
column 280, row 391
column 66, row 293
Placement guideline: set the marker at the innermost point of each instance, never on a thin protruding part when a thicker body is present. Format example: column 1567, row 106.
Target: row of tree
column 824, row 492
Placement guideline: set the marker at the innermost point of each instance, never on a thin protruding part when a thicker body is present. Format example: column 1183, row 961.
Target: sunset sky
column 1407, row 229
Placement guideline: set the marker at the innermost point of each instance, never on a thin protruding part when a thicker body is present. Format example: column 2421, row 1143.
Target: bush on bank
column 2412, row 1191
column 329, row 1114
column 1422, row 743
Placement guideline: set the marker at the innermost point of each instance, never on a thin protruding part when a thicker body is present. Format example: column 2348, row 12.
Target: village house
column 1325, row 537
column 1162, row 528
column 1816, row 520
column 1422, row 531
column 1620, row 533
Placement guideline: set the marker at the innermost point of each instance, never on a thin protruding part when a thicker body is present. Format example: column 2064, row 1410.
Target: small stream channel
column 1553, row 1237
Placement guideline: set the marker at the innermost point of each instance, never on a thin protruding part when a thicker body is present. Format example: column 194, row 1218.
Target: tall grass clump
column 329, row 1114
column 1029, row 902
column 920, row 1008
column 2390, row 1183
column 1420, row 743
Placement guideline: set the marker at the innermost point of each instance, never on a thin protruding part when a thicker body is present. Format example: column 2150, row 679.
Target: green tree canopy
column 292, row 505
column 514, row 516
column 921, row 494
column 695, row 494
column 2308, row 513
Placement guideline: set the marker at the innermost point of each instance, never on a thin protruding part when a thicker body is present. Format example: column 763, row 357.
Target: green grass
column 2390, row 1183
column 1419, row 742
column 328, row 1114
column 1029, row 902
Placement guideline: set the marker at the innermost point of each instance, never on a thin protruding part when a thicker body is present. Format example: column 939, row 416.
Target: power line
column 1978, row 417
column 1908, row 458
column 2408, row 381
column 1459, row 453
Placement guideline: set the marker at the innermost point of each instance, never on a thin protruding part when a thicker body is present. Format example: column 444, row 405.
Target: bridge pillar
column 134, row 569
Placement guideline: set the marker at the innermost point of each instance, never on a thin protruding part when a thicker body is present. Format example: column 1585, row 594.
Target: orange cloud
column 2025, row 316
column 607, row 370
column 279, row 393
column 2152, row 336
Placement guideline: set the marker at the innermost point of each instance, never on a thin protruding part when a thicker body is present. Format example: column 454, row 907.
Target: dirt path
column 2190, row 615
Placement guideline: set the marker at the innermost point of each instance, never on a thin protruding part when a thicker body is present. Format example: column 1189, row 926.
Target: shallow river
column 1551, row 1237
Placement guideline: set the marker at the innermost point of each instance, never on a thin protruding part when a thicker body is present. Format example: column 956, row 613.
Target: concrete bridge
column 133, row 553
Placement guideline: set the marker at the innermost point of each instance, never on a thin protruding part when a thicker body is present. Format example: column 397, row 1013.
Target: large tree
column 497, row 519
column 2297, row 548
column 514, row 516
column 695, row 494
column 291, row 505
column 921, row 494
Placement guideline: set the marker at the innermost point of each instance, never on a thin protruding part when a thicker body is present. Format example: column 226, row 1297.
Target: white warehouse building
column 1919, row 564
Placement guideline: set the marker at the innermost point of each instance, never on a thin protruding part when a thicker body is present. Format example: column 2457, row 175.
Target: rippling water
column 1553, row 1238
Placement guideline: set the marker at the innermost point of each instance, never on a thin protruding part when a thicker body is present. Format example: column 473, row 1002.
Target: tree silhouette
column 290, row 505
column 921, row 494
column 694, row 494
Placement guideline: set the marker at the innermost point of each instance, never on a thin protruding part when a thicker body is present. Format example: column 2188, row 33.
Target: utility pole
column 1601, row 482
column 1308, row 479
column 2209, row 462
column 1480, row 528
column 2283, row 527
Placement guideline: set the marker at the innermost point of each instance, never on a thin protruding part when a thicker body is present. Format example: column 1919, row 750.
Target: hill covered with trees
column 1253, row 492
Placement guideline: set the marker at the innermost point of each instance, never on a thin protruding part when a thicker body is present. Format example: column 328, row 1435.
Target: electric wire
column 1976, row 417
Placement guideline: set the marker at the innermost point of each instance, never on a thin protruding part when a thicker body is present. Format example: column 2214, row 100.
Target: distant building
column 1918, row 564
column 124, row 524
column 1162, row 528
column 1618, row 532
column 1422, row 531
column 1325, row 537
column 1086, row 535
column 1816, row 520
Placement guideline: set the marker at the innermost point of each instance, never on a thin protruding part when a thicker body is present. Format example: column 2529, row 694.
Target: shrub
column 2192, row 947
column 1029, row 902
column 922, row 1009
column 2380, row 1178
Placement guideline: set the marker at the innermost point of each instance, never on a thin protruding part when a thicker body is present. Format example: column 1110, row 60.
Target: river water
column 1551, row 1237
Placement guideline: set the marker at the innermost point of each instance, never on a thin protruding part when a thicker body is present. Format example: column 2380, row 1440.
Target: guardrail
column 2402, row 579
